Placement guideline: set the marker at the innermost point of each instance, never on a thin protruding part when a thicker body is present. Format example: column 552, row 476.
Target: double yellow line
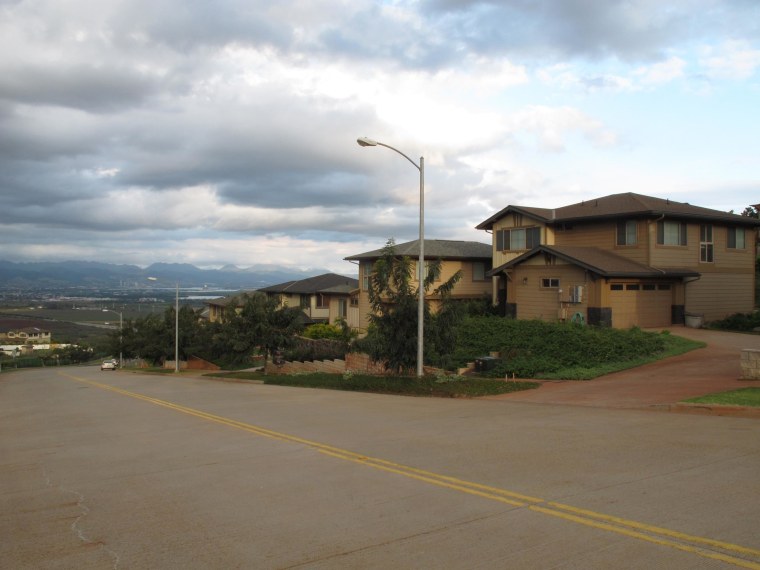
column 734, row 554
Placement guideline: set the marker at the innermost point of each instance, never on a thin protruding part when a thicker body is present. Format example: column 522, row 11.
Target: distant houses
column 24, row 340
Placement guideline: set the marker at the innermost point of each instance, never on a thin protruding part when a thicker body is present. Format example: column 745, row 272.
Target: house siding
column 532, row 301
column 717, row 295
column 604, row 236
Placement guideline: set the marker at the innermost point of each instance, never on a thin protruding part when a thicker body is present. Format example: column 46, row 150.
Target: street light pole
column 364, row 141
column 176, row 330
column 121, row 334
column 176, row 324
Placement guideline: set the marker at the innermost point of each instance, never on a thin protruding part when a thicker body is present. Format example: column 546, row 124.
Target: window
column 479, row 269
column 626, row 232
column 305, row 301
column 323, row 301
column 616, row 287
column 736, row 238
column 354, row 301
column 342, row 308
column 706, row 243
column 425, row 273
column 366, row 271
column 649, row 287
column 633, row 287
column 519, row 238
column 550, row 283
column 671, row 233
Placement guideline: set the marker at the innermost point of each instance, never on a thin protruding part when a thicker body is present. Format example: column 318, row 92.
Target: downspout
column 686, row 281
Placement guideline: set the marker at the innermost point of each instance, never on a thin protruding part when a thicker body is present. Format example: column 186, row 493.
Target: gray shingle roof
column 617, row 205
column 434, row 249
column 599, row 261
column 317, row 284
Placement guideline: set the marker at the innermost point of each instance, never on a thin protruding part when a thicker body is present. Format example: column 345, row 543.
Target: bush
column 530, row 349
column 324, row 331
column 743, row 322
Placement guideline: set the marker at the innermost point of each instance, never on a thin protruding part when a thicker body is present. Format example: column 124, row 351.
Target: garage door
column 644, row 305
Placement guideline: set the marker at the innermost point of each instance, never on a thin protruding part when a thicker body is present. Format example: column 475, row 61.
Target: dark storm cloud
column 82, row 86
column 627, row 30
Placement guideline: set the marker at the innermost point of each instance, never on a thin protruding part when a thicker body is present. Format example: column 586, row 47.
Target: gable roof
column 602, row 262
column 325, row 283
column 628, row 204
column 434, row 249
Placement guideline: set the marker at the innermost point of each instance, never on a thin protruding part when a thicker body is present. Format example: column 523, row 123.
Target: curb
column 712, row 410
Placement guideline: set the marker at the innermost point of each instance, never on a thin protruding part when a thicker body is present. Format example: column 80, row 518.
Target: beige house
column 324, row 298
column 472, row 258
column 26, row 335
column 622, row 260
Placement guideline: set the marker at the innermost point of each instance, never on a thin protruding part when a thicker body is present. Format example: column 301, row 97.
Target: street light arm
column 364, row 141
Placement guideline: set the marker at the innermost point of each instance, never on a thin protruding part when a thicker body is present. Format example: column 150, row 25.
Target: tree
column 260, row 324
column 751, row 212
column 392, row 338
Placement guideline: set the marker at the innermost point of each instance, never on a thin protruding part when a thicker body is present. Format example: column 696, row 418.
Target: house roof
column 224, row 301
column 326, row 283
column 434, row 249
column 602, row 262
column 628, row 204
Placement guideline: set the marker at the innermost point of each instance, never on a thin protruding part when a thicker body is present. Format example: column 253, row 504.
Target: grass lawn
column 749, row 397
column 445, row 387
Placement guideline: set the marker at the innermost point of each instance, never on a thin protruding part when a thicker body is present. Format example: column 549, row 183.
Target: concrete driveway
column 662, row 384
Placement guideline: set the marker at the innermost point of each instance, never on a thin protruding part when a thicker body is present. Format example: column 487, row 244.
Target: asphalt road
column 120, row 470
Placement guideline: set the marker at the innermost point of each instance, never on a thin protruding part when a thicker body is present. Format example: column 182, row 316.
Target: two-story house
column 472, row 258
column 324, row 298
column 25, row 335
column 622, row 260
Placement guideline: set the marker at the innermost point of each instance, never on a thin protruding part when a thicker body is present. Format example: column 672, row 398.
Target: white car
column 108, row 365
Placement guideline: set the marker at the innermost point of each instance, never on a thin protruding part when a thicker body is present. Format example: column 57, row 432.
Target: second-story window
column 706, row 243
column 366, row 271
column 305, row 301
column 518, row 239
column 626, row 232
column 323, row 301
column 671, row 233
column 479, row 269
column 736, row 239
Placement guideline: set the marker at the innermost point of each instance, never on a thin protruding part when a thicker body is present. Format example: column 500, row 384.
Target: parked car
column 108, row 365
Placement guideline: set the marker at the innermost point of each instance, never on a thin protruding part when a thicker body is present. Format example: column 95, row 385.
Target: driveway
column 661, row 384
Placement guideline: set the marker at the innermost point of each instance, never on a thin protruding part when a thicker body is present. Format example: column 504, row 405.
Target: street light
column 176, row 326
column 121, row 333
column 364, row 141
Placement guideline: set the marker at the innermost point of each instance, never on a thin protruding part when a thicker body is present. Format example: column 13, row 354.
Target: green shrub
column 531, row 349
column 323, row 330
column 743, row 322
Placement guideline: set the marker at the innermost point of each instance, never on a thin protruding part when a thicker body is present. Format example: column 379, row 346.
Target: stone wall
column 750, row 362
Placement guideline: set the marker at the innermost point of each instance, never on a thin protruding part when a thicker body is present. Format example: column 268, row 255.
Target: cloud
column 731, row 60
column 185, row 131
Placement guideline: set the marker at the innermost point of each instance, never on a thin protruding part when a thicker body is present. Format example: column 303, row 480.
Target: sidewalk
column 661, row 384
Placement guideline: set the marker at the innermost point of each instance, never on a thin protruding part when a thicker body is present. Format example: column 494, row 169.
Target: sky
column 224, row 132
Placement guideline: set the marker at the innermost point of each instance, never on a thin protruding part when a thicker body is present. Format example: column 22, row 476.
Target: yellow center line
column 665, row 537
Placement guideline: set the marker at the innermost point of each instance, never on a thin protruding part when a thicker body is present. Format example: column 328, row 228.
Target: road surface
column 122, row 470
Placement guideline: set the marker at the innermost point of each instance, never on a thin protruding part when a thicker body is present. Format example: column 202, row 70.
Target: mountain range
column 49, row 275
